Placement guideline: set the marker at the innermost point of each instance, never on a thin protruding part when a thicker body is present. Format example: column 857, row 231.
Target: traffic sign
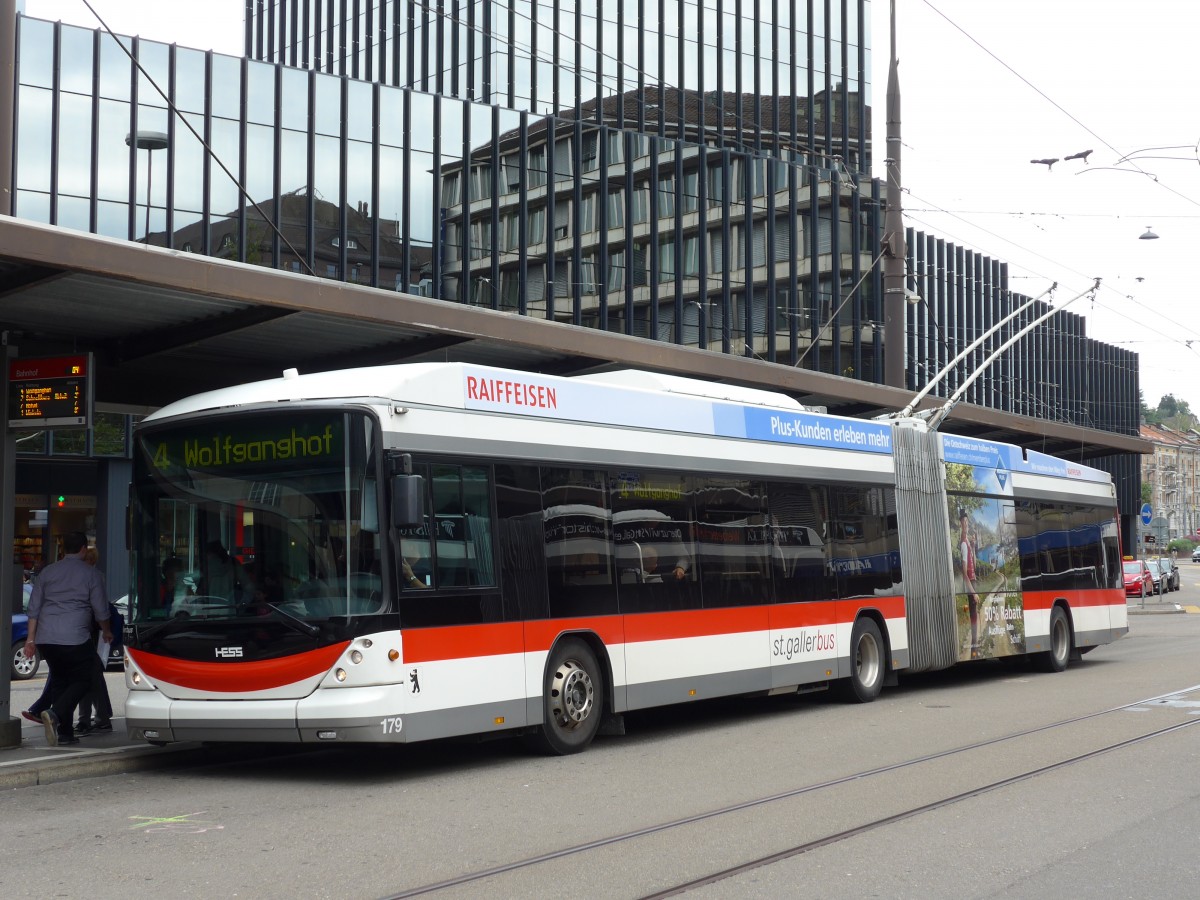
column 1147, row 514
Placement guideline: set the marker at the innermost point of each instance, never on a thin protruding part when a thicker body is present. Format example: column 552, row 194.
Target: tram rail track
column 802, row 847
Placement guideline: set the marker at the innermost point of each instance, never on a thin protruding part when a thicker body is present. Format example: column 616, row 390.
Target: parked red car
column 1138, row 580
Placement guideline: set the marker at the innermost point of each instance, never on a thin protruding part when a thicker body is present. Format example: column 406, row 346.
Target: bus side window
column 733, row 541
column 462, row 532
column 801, row 552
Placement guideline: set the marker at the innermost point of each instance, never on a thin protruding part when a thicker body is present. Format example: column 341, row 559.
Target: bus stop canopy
column 163, row 324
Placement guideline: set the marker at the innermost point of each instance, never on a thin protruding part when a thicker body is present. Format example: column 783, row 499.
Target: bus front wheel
column 573, row 699
column 867, row 663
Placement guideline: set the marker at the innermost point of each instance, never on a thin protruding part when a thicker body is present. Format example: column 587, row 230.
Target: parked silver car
column 1166, row 574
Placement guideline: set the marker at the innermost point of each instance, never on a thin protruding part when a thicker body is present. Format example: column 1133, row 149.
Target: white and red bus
column 409, row 552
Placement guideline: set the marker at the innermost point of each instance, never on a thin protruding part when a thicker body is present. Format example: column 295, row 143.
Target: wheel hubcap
column 1060, row 638
column 867, row 660
column 574, row 694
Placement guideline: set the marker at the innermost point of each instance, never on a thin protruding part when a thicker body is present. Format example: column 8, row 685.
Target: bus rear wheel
column 573, row 699
column 867, row 663
column 1056, row 658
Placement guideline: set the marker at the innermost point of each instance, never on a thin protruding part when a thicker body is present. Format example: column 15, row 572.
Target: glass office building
column 687, row 173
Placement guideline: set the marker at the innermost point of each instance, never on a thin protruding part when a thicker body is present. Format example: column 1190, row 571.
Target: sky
column 987, row 87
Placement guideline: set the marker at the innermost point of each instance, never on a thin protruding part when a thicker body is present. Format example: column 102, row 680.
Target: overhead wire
column 1122, row 158
column 1052, row 101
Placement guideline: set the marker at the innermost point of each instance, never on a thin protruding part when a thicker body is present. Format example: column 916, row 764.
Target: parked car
column 1138, row 580
column 23, row 667
column 116, row 652
column 1196, row 555
column 1166, row 572
column 1154, row 575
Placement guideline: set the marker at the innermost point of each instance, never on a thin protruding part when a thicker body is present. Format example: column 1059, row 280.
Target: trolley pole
column 895, row 253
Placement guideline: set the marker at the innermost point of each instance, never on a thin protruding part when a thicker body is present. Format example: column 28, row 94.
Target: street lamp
column 148, row 141
column 1148, row 236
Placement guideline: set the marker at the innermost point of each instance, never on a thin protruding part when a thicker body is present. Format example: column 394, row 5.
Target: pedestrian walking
column 67, row 598
column 95, row 709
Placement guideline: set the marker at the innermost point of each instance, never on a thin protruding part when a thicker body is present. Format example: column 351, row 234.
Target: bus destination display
column 50, row 392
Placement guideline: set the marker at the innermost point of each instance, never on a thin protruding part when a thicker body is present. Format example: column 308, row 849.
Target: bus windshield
column 257, row 514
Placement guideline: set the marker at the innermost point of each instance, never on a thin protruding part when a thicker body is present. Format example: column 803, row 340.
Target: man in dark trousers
column 67, row 598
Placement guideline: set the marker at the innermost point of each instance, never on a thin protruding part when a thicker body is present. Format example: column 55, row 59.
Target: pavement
column 34, row 762
column 1157, row 604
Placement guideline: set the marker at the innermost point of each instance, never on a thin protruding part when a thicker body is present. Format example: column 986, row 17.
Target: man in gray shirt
column 67, row 597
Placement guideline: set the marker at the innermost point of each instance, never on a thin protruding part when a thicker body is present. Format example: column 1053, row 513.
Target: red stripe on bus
column 241, row 676
column 1081, row 598
column 465, row 641
column 461, row 641
column 694, row 623
column 831, row 612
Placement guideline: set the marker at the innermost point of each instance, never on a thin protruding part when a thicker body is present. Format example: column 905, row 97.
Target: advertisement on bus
column 987, row 566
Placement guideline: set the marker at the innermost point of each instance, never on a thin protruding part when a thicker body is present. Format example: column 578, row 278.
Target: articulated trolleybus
column 417, row 551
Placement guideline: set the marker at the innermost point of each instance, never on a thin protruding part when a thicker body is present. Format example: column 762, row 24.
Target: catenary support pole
column 894, row 301
column 8, row 93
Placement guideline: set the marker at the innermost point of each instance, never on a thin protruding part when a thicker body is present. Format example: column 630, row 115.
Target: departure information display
column 50, row 392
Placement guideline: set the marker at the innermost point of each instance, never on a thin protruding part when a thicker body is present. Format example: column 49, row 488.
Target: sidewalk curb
column 106, row 762
column 1157, row 609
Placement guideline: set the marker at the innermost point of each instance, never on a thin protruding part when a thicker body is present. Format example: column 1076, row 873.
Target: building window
column 587, row 275
column 616, row 270
column 450, row 195
column 666, row 197
column 537, row 225
column 587, row 213
column 641, row 204
column 537, row 166
column 691, row 256
column 616, row 209
column 481, row 182
column 591, row 143
column 691, row 194
column 666, row 260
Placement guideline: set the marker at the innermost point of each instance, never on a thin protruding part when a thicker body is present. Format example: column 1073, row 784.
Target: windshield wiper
column 299, row 623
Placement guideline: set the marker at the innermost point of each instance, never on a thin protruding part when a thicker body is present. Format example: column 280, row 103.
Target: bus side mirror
column 408, row 501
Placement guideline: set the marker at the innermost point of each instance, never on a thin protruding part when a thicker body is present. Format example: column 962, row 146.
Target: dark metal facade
column 732, row 214
column 770, row 75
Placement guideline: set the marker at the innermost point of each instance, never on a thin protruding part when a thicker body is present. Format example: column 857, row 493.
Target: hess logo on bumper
column 228, row 652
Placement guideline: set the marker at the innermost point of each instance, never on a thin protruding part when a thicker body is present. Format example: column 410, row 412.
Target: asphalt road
column 987, row 780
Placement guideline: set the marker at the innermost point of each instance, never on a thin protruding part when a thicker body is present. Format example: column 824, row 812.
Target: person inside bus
column 173, row 587
column 224, row 575
column 413, row 561
column 650, row 571
column 966, row 562
column 649, row 565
